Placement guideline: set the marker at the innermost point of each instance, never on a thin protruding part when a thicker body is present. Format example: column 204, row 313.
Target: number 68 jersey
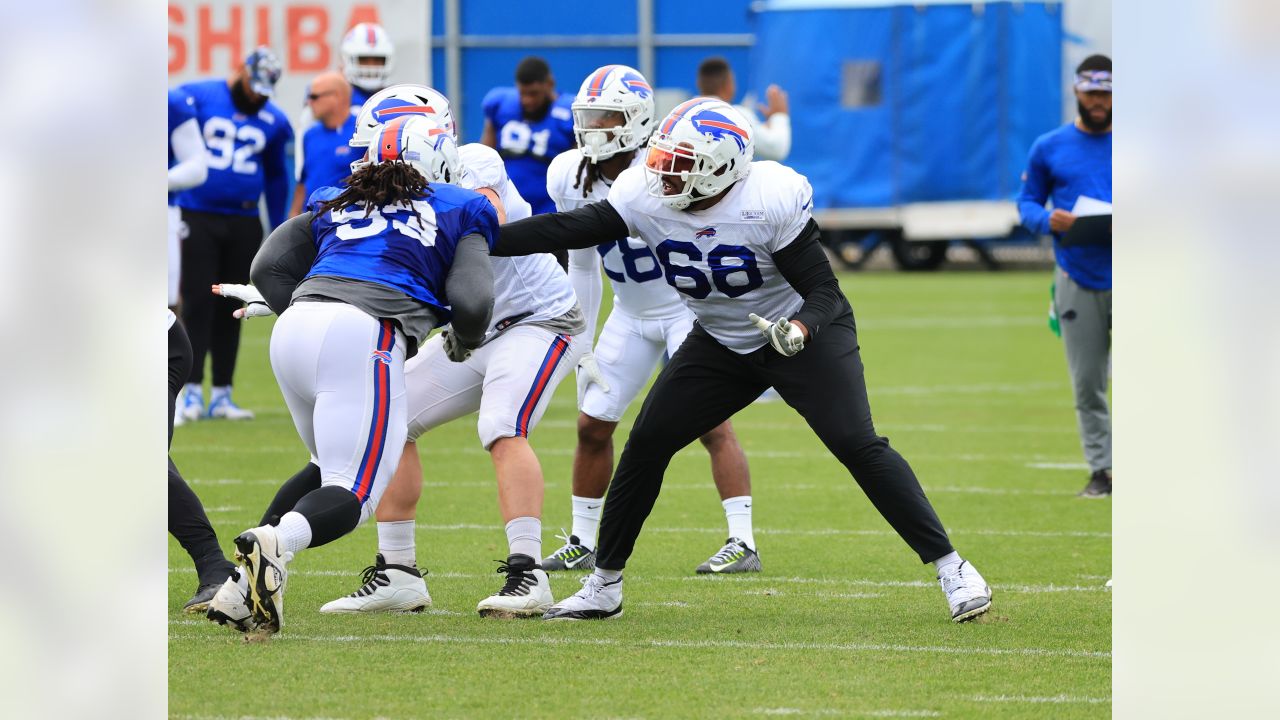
column 720, row 259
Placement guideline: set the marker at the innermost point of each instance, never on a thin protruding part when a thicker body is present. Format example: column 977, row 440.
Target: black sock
column 306, row 480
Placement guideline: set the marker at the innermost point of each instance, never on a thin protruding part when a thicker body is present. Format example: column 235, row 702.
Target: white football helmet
column 701, row 148
column 399, row 101
column 423, row 143
column 612, row 113
column 367, row 40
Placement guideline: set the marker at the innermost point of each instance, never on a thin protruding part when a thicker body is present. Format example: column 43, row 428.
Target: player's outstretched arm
column 803, row 263
column 585, row 227
column 469, row 287
column 283, row 261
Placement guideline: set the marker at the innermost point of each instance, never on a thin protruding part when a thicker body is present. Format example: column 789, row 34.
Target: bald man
column 325, row 157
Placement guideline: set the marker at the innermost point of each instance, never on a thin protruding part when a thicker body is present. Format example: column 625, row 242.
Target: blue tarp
column 964, row 91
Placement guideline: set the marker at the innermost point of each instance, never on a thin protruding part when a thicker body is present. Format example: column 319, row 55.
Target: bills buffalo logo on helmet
column 394, row 107
column 637, row 85
column 710, row 122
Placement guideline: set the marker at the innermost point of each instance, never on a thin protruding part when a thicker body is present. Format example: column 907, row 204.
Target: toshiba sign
column 210, row 38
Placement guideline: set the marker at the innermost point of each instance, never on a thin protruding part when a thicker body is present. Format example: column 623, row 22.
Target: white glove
column 453, row 347
column 786, row 338
column 589, row 366
column 254, row 304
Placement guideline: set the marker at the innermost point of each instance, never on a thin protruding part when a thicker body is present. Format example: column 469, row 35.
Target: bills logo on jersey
column 382, row 356
column 705, row 232
column 637, row 85
column 710, row 122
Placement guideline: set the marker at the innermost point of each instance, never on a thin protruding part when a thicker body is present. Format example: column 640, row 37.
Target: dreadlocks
column 591, row 172
column 377, row 185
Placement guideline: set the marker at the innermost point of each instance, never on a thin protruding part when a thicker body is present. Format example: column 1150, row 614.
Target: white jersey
column 533, row 284
column 634, row 273
column 721, row 258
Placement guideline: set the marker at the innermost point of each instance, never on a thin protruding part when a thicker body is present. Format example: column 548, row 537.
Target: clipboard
column 1088, row 230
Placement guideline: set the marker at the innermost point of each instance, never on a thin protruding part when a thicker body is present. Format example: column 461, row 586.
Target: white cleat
column 527, row 592
column 230, row 605
column 598, row 599
column 259, row 552
column 189, row 406
column 967, row 593
column 387, row 588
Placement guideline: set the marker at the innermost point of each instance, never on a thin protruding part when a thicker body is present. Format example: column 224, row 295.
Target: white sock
column 218, row 391
column 608, row 575
column 294, row 532
column 586, row 519
column 524, row 536
column 737, row 510
column 948, row 561
column 395, row 542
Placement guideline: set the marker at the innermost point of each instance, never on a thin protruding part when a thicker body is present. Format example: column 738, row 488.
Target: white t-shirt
column 530, row 284
column 634, row 273
column 721, row 259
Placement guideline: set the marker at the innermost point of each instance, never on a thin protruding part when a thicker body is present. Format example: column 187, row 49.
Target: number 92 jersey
column 721, row 259
column 389, row 246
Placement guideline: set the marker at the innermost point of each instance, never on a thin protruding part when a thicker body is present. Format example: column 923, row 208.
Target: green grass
column 843, row 622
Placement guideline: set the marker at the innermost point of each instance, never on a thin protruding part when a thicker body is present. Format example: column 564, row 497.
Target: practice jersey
column 182, row 107
column 532, row 286
column 246, row 155
column 326, row 156
column 528, row 146
column 721, row 259
column 639, row 288
column 391, row 248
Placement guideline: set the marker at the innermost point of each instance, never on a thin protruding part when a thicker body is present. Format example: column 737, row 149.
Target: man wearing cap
column 326, row 156
column 1072, row 167
column 245, row 137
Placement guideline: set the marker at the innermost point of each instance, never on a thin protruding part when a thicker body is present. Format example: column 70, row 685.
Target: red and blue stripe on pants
column 555, row 354
column 377, row 441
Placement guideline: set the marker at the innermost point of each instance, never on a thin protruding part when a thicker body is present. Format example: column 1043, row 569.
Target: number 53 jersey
column 720, row 259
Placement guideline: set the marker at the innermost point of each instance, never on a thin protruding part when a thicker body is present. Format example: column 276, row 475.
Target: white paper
column 1086, row 206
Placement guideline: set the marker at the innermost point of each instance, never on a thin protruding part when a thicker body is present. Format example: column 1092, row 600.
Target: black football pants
column 217, row 249
column 187, row 520
column 705, row 383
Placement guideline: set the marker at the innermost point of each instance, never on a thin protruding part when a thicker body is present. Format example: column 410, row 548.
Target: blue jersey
column 390, row 248
column 528, row 146
column 358, row 98
column 1065, row 164
column 326, row 156
column 246, row 154
column 182, row 107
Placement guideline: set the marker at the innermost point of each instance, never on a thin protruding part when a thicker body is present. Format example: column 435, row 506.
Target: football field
column 966, row 381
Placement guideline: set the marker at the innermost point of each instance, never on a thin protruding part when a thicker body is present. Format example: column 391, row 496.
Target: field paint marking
column 820, row 532
column 1071, row 699
column 842, row 713
column 1058, row 466
column 966, row 322
column 684, row 644
column 742, row 579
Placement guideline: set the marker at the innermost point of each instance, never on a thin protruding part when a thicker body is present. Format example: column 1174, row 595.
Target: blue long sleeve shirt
column 1064, row 164
column 247, row 156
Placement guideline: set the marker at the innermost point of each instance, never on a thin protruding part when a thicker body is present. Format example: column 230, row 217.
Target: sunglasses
column 312, row 97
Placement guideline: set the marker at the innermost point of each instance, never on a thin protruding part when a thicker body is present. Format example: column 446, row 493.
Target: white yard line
column 682, row 644
column 1056, row 699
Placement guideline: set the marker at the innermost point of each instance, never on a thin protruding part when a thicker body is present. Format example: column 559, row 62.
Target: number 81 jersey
column 720, row 259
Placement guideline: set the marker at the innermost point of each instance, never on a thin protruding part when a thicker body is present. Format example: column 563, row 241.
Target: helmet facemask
column 602, row 133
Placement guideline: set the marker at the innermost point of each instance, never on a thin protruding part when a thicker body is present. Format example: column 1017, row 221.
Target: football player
column 245, row 135
column 613, row 116
column 738, row 241
column 533, row 342
column 359, row 281
column 368, row 56
column 529, row 125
